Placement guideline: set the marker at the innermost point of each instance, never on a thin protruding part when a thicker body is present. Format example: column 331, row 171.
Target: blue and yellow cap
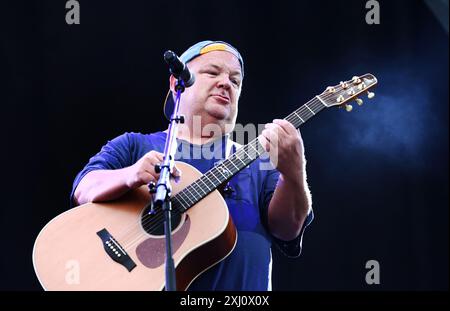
column 194, row 51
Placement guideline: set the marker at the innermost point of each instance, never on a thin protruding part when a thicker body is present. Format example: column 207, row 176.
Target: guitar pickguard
column 151, row 252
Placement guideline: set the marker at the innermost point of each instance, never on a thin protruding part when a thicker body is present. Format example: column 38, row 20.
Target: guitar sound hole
column 154, row 224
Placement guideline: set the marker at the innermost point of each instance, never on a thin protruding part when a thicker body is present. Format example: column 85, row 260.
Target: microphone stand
column 163, row 188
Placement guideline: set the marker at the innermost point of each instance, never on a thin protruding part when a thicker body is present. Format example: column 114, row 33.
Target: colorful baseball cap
column 194, row 51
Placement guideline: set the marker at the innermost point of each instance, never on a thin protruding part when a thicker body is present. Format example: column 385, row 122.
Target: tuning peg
column 344, row 85
column 370, row 95
column 356, row 79
column 348, row 107
column 359, row 101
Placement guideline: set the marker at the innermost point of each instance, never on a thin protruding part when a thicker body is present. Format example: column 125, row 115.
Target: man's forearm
column 289, row 207
column 101, row 185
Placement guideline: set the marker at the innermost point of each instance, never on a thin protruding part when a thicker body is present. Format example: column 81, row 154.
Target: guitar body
column 70, row 252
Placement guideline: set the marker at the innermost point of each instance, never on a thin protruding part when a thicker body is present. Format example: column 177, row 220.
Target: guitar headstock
column 345, row 91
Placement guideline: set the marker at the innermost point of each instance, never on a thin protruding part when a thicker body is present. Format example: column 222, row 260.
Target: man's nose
column 224, row 82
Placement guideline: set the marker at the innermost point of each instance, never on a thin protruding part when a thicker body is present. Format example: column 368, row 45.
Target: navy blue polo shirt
column 248, row 267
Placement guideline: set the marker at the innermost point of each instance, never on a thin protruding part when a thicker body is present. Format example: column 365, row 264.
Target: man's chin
column 218, row 116
column 219, row 113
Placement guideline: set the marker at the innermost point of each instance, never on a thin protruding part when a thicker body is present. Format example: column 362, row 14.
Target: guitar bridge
column 115, row 251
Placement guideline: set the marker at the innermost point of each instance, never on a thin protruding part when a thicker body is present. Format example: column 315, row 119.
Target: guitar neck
column 245, row 155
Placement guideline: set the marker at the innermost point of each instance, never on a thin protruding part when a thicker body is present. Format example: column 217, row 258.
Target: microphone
column 178, row 69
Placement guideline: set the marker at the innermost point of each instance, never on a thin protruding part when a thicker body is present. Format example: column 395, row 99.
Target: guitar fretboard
column 245, row 155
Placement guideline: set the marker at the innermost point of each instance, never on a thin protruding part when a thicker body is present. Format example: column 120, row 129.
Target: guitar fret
column 239, row 160
column 248, row 157
column 321, row 100
column 250, row 145
column 309, row 109
column 254, row 151
column 201, row 179
column 192, row 196
column 305, row 112
column 182, row 194
column 303, row 121
column 233, row 165
column 193, row 187
column 206, row 177
column 224, row 168
column 212, row 173
column 177, row 197
column 176, row 201
column 320, row 104
column 307, row 115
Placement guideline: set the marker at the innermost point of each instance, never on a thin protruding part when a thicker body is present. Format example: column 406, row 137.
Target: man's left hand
column 284, row 144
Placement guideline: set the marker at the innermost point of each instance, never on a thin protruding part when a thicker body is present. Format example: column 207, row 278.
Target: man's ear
column 172, row 82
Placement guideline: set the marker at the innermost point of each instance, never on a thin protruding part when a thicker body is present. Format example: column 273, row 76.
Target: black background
column 378, row 175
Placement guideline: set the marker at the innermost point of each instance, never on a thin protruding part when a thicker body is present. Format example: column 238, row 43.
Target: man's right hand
column 143, row 171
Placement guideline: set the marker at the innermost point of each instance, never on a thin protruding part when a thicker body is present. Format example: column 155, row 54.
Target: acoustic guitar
column 118, row 245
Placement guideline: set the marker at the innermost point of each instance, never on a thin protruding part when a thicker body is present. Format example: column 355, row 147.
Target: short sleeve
column 290, row 248
column 114, row 155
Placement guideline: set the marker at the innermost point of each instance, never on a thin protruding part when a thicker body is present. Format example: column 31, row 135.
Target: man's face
column 215, row 93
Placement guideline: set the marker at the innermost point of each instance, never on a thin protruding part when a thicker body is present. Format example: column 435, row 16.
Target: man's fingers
column 286, row 126
column 264, row 142
column 276, row 127
column 154, row 155
column 154, row 158
column 271, row 134
column 146, row 177
column 160, row 157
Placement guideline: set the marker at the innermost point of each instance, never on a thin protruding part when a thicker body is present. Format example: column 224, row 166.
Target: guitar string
column 150, row 222
column 305, row 109
column 156, row 221
column 159, row 218
column 243, row 149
